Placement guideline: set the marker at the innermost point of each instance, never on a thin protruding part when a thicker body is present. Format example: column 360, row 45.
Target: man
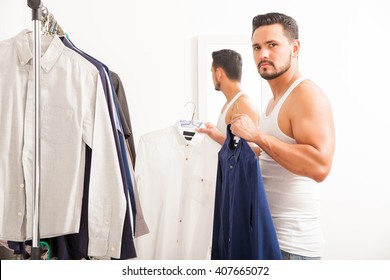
column 226, row 70
column 296, row 137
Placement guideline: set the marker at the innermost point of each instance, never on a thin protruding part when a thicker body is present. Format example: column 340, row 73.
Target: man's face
column 272, row 51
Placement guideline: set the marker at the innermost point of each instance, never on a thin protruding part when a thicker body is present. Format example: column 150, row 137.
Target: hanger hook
column 193, row 112
column 50, row 24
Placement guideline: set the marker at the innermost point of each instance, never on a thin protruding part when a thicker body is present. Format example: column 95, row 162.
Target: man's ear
column 219, row 73
column 296, row 44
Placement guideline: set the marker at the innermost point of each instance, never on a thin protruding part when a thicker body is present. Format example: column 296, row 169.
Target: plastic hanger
column 189, row 126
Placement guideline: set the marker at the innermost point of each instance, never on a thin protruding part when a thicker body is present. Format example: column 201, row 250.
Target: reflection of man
column 296, row 137
column 226, row 72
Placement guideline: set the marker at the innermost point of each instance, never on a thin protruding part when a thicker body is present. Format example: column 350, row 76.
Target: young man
column 296, row 137
column 226, row 70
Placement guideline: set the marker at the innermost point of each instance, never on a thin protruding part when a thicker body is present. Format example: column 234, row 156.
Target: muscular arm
column 308, row 119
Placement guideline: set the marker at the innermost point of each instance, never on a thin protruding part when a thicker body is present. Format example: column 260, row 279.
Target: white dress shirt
column 176, row 183
column 74, row 113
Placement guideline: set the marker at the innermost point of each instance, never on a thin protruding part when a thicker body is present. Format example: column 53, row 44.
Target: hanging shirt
column 243, row 227
column 294, row 200
column 176, row 184
column 127, row 246
column 124, row 113
column 221, row 123
column 142, row 227
column 74, row 114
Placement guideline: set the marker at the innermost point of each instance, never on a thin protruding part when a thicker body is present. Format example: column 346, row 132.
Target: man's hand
column 213, row 132
column 243, row 127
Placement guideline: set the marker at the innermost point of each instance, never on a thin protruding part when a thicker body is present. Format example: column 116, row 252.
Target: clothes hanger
column 192, row 122
column 189, row 126
column 49, row 25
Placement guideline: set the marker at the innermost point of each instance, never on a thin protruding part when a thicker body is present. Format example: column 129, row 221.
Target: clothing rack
column 40, row 15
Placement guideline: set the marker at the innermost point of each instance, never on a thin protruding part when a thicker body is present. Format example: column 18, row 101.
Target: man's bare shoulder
column 246, row 103
column 308, row 95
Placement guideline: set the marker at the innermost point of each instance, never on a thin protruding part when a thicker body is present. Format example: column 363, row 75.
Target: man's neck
column 280, row 84
column 231, row 91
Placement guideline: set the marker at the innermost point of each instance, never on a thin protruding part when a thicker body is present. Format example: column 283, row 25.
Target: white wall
column 152, row 45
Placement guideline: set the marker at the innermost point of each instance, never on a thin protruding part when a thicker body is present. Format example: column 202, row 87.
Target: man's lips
column 264, row 64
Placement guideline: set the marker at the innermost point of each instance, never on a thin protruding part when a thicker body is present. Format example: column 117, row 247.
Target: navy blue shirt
column 243, row 227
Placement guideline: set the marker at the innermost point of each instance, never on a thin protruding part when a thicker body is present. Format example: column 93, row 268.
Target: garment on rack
column 74, row 114
column 176, row 183
column 141, row 228
column 124, row 113
column 243, row 227
column 127, row 246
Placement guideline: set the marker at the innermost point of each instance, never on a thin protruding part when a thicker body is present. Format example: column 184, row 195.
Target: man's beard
column 268, row 75
column 217, row 86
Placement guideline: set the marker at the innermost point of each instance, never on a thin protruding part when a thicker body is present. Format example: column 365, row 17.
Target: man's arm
column 245, row 105
column 213, row 132
column 242, row 106
column 311, row 121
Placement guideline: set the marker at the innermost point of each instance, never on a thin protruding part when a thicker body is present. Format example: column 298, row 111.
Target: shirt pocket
column 56, row 124
column 201, row 189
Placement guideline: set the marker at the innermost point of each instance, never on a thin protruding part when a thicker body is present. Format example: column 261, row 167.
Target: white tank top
column 221, row 124
column 294, row 200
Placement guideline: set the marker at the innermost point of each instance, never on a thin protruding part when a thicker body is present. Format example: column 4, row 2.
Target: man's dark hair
column 289, row 24
column 230, row 61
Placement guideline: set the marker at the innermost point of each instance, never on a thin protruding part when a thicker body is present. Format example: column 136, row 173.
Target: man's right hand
column 213, row 132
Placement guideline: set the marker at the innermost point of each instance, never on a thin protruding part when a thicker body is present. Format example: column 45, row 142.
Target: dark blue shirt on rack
column 243, row 227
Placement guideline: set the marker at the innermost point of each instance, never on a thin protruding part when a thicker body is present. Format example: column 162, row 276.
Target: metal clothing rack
column 39, row 15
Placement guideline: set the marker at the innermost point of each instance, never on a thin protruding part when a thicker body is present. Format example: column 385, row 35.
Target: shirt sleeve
column 146, row 246
column 107, row 202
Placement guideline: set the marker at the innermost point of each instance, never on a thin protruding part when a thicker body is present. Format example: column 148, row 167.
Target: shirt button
column 231, row 166
column 186, row 158
column 201, row 179
column 22, row 186
column 180, row 221
column 112, row 249
column 19, row 214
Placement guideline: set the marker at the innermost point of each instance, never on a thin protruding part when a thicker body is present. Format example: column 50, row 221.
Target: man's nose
column 263, row 54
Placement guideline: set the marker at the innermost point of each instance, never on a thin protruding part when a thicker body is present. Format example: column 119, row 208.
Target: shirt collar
column 48, row 59
column 229, row 142
column 196, row 140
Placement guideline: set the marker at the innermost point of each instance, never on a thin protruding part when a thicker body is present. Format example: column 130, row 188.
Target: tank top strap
column 232, row 101
column 286, row 94
column 290, row 89
column 221, row 124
